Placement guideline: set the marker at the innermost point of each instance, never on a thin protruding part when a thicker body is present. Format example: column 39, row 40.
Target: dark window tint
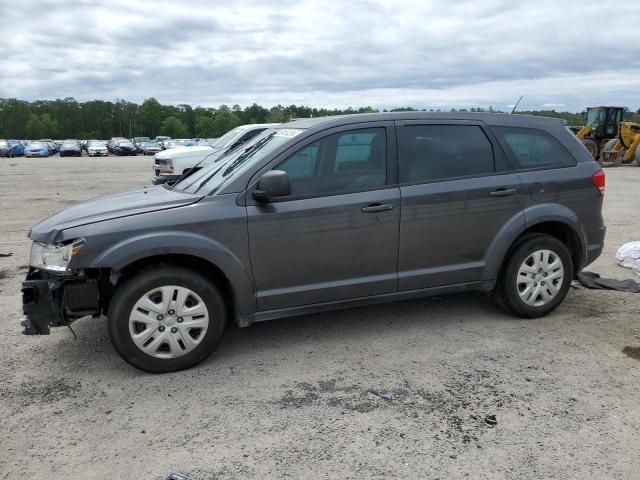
column 534, row 148
column 342, row 162
column 302, row 164
column 436, row 152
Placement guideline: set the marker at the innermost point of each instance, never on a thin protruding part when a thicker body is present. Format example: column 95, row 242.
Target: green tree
column 50, row 127
column 205, row 126
column 224, row 120
column 149, row 117
column 34, row 127
column 173, row 128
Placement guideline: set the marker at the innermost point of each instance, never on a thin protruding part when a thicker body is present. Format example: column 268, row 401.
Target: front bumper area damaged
column 55, row 300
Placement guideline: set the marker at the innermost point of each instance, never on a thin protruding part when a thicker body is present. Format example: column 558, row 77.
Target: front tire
column 536, row 277
column 607, row 157
column 166, row 319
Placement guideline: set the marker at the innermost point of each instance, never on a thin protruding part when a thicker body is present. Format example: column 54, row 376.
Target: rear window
column 534, row 148
column 431, row 153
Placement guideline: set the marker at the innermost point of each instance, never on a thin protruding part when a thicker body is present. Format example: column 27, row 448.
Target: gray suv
column 321, row 214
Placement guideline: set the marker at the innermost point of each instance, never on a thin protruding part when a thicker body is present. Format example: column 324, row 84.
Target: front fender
column 130, row 250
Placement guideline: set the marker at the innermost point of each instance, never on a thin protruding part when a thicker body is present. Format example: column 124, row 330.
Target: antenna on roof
column 516, row 105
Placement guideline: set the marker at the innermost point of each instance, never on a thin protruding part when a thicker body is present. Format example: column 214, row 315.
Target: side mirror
column 274, row 183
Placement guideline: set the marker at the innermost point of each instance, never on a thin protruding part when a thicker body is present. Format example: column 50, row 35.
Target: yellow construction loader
column 610, row 140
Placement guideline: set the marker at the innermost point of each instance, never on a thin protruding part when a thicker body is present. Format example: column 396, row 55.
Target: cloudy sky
column 560, row 54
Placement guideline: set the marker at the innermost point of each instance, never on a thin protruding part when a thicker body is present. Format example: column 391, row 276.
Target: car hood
column 108, row 208
column 172, row 152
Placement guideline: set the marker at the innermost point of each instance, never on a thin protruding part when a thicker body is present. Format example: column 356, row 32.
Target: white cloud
column 435, row 54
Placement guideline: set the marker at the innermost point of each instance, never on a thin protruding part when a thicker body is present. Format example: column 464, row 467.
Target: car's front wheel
column 536, row 277
column 166, row 319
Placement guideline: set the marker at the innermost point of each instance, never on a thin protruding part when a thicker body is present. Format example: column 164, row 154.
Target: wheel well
column 200, row 265
column 562, row 232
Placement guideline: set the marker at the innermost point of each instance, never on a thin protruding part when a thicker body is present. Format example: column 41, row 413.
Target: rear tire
column 170, row 345
column 637, row 156
column 536, row 276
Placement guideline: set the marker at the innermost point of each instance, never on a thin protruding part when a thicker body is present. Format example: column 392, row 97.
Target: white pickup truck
column 170, row 164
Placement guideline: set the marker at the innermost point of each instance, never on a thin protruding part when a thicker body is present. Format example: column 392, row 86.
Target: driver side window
column 344, row 162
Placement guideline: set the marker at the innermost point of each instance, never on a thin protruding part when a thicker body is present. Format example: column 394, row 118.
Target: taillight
column 598, row 181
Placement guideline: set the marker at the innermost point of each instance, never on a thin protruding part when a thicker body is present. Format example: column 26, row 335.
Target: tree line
column 68, row 118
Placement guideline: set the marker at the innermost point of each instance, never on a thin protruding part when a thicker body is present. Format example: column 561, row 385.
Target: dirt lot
column 293, row 398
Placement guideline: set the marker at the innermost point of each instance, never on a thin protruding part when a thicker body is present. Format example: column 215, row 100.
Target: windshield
column 211, row 177
column 37, row 144
column 595, row 116
column 4, row 143
column 228, row 137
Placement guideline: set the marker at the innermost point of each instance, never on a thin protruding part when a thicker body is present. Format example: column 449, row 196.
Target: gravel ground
column 395, row 391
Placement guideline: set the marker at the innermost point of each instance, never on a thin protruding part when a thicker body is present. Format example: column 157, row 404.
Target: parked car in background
column 37, row 149
column 112, row 143
column 320, row 214
column 161, row 139
column 11, row 148
column 208, row 141
column 53, row 148
column 171, row 164
column 151, row 148
column 179, row 142
column 97, row 148
column 70, row 148
column 124, row 147
column 139, row 142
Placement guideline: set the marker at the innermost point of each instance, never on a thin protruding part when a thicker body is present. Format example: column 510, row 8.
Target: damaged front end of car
column 53, row 299
column 54, row 294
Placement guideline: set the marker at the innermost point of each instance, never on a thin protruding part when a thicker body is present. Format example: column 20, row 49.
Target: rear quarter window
column 532, row 149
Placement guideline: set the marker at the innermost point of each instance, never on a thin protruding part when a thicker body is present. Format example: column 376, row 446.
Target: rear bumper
column 54, row 300
column 595, row 246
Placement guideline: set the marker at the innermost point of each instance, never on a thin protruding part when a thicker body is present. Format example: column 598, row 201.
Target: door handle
column 377, row 207
column 503, row 192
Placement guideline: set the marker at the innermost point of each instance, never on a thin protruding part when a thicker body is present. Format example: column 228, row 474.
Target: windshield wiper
column 192, row 169
column 238, row 160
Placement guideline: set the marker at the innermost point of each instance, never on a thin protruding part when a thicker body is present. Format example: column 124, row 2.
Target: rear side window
column 534, row 148
column 430, row 153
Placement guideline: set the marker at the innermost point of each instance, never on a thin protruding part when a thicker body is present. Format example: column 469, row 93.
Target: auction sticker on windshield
column 288, row 132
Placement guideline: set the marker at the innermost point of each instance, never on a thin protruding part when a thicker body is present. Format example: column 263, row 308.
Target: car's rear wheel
column 166, row 319
column 536, row 277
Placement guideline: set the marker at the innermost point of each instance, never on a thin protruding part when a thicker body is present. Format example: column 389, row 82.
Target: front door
column 336, row 236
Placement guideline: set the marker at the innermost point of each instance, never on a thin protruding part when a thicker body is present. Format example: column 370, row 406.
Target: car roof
column 250, row 126
column 502, row 119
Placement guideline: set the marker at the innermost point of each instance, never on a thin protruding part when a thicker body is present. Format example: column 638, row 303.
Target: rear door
column 336, row 236
column 457, row 194
column 550, row 173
